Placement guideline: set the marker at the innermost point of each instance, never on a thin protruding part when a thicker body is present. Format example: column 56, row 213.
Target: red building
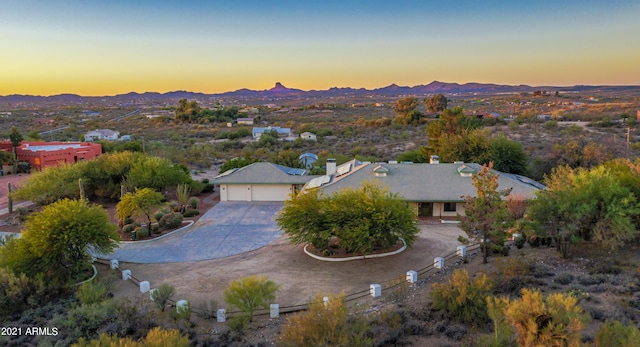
column 44, row 154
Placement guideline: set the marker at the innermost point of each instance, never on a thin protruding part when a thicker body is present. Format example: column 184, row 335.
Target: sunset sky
column 114, row 47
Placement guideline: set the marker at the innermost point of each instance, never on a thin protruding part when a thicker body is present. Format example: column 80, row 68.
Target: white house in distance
column 101, row 134
column 282, row 132
column 245, row 121
column 261, row 182
column 308, row 136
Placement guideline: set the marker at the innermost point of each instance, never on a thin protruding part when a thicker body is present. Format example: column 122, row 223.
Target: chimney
column 434, row 159
column 331, row 166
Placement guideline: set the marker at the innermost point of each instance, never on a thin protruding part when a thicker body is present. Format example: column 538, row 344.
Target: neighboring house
column 261, row 182
column 282, row 132
column 245, row 121
column 101, row 134
column 543, row 117
column 308, row 136
column 44, row 154
column 431, row 189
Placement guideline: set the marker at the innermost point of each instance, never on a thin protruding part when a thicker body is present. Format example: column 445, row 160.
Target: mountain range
column 280, row 91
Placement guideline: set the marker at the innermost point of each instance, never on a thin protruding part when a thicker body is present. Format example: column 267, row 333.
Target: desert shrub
column 19, row 293
column 174, row 206
column 208, row 310
column 614, row 333
column 193, row 202
column 190, row 213
column 237, row 324
column 86, row 321
column 184, row 312
column 142, row 232
column 463, row 298
column 160, row 213
column 564, row 278
column 455, row 331
column 208, row 187
column 326, row 325
column 127, row 228
column 608, row 267
column 171, row 220
column 556, row 320
column 161, row 295
column 155, row 337
column 587, row 280
column 250, row 293
column 92, row 292
column 155, row 228
column 519, row 241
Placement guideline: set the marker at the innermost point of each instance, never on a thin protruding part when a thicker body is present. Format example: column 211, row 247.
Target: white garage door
column 238, row 192
column 270, row 192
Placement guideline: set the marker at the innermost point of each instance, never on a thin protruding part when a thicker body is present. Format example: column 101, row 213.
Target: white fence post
column 144, row 286
column 126, row 274
column 151, row 293
column 412, row 276
column 222, row 315
column 114, row 264
column 461, row 251
column 375, row 290
column 274, row 310
column 438, row 262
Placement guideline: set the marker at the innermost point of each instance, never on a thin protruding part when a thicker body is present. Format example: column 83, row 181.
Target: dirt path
column 300, row 276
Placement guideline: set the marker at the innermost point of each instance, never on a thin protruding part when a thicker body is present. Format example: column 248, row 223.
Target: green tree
column 405, row 105
column 508, row 156
column 236, row 163
column 55, row 240
column 436, row 103
column 326, row 324
column 161, row 295
column 486, row 215
column 413, row 117
column 156, row 173
column 590, row 204
column 469, row 146
column 140, row 203
column 556, row 320
column 250, row 293
column 363, row 219
column 16, row 138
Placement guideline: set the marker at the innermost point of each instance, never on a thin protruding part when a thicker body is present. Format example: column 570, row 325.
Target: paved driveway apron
column 227, row 229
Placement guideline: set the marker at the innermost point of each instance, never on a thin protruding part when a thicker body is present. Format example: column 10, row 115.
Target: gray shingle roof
column 263, row 173
column 427, row 182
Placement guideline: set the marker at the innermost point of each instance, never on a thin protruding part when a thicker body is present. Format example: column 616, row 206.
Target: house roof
column 430, row 182
column 263, row 173
column 103, row 132
column 278, row 129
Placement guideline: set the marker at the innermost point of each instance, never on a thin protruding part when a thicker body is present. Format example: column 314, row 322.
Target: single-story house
column 282, row 132
column 101, row 134
column 245, row 121
column 308, row 136
column 261, row 182
column 431, row 189
column 45, row 154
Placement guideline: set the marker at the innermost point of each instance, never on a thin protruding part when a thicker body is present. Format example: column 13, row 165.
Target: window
column 449, row 207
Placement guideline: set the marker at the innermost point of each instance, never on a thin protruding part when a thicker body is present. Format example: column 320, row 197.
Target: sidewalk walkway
column 227, row 229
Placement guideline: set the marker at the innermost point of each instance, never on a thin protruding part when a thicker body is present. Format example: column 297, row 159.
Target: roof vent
column 466, row 171
column 434, row 159
column 380, row 171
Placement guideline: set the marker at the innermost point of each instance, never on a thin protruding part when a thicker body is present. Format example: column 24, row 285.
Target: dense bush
column 193, row 202
column 464, row 299
column 190, row 213
column 142, row 232
column 92, row 292
column 128, row 228
column 171, row 220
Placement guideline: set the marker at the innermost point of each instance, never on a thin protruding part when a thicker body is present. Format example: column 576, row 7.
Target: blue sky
column 111, row 47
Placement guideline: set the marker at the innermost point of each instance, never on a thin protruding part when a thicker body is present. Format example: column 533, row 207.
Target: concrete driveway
column 229, row 228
